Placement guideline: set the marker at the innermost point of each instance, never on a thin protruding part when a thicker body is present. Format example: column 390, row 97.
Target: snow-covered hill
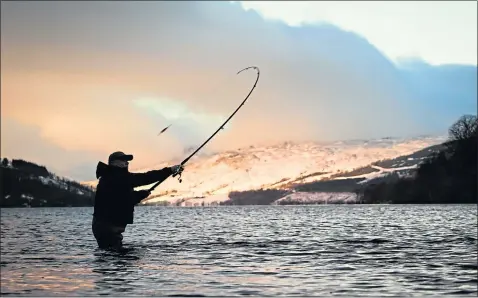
column 281, row 166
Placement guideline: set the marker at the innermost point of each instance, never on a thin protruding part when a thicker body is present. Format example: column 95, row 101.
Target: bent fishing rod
column 220, row 127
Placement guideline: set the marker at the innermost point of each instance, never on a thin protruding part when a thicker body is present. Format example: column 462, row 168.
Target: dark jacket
column 115, row 196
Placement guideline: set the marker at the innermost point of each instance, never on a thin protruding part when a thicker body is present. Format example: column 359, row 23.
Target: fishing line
column 218, row 90
column 220, row 127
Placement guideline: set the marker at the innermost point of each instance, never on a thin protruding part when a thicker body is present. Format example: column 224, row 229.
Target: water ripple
column 381, row 250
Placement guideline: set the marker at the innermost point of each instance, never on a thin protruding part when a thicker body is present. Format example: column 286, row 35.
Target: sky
column 398, row 28
column 83, row 79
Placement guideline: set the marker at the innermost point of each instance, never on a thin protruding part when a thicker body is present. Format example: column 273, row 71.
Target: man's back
column 114, row 200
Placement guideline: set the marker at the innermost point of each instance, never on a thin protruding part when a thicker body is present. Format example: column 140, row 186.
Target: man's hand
column 177, row 169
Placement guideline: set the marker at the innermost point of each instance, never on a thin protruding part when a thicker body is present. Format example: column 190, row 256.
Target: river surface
column 378, row 250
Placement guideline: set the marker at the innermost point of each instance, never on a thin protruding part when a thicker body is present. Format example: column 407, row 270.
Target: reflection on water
column 262, row 250
column 114, row 270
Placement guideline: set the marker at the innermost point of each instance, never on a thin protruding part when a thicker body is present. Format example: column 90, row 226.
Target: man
column 115, row 197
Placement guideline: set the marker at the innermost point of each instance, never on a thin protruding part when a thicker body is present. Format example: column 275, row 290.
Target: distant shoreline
column 222, row 206
column 439, row 174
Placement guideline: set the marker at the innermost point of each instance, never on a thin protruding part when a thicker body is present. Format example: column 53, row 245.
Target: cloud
column 439, row 94
column 398, row 28
column 21, row 141
column 103, row 76
column 186, row 125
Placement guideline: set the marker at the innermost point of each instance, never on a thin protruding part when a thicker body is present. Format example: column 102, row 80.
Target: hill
column 26, row 184
column 290, row 167
column 322, row 173
column 343, row 187
column 440, row 174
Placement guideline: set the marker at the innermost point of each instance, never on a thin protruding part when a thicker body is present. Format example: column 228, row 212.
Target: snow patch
column 319, row 198
column 382, row 172
column 194, row 201
column 52, row 181
column 28, row 197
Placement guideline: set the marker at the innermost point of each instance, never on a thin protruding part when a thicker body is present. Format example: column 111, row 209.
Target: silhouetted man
column 115, row 197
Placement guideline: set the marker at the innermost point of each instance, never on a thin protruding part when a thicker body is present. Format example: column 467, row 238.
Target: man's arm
column 140, row 179
column 140, row 195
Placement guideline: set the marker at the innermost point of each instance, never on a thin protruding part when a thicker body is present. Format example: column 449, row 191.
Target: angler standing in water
column 115, row 197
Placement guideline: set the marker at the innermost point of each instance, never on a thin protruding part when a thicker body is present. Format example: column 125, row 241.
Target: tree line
column 448, row 176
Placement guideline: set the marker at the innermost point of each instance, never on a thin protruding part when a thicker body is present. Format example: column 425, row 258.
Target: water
column 328, row 250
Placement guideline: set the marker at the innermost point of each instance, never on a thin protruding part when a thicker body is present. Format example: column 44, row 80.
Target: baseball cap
column 118, row 155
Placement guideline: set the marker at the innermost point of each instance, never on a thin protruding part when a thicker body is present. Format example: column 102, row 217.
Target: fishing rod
column 220, row 127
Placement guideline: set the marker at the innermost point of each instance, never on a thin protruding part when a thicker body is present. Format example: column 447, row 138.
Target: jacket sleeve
column 140, row 179
column 140, row 195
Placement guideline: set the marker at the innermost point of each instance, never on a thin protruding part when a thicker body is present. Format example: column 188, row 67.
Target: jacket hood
column 103, row 169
